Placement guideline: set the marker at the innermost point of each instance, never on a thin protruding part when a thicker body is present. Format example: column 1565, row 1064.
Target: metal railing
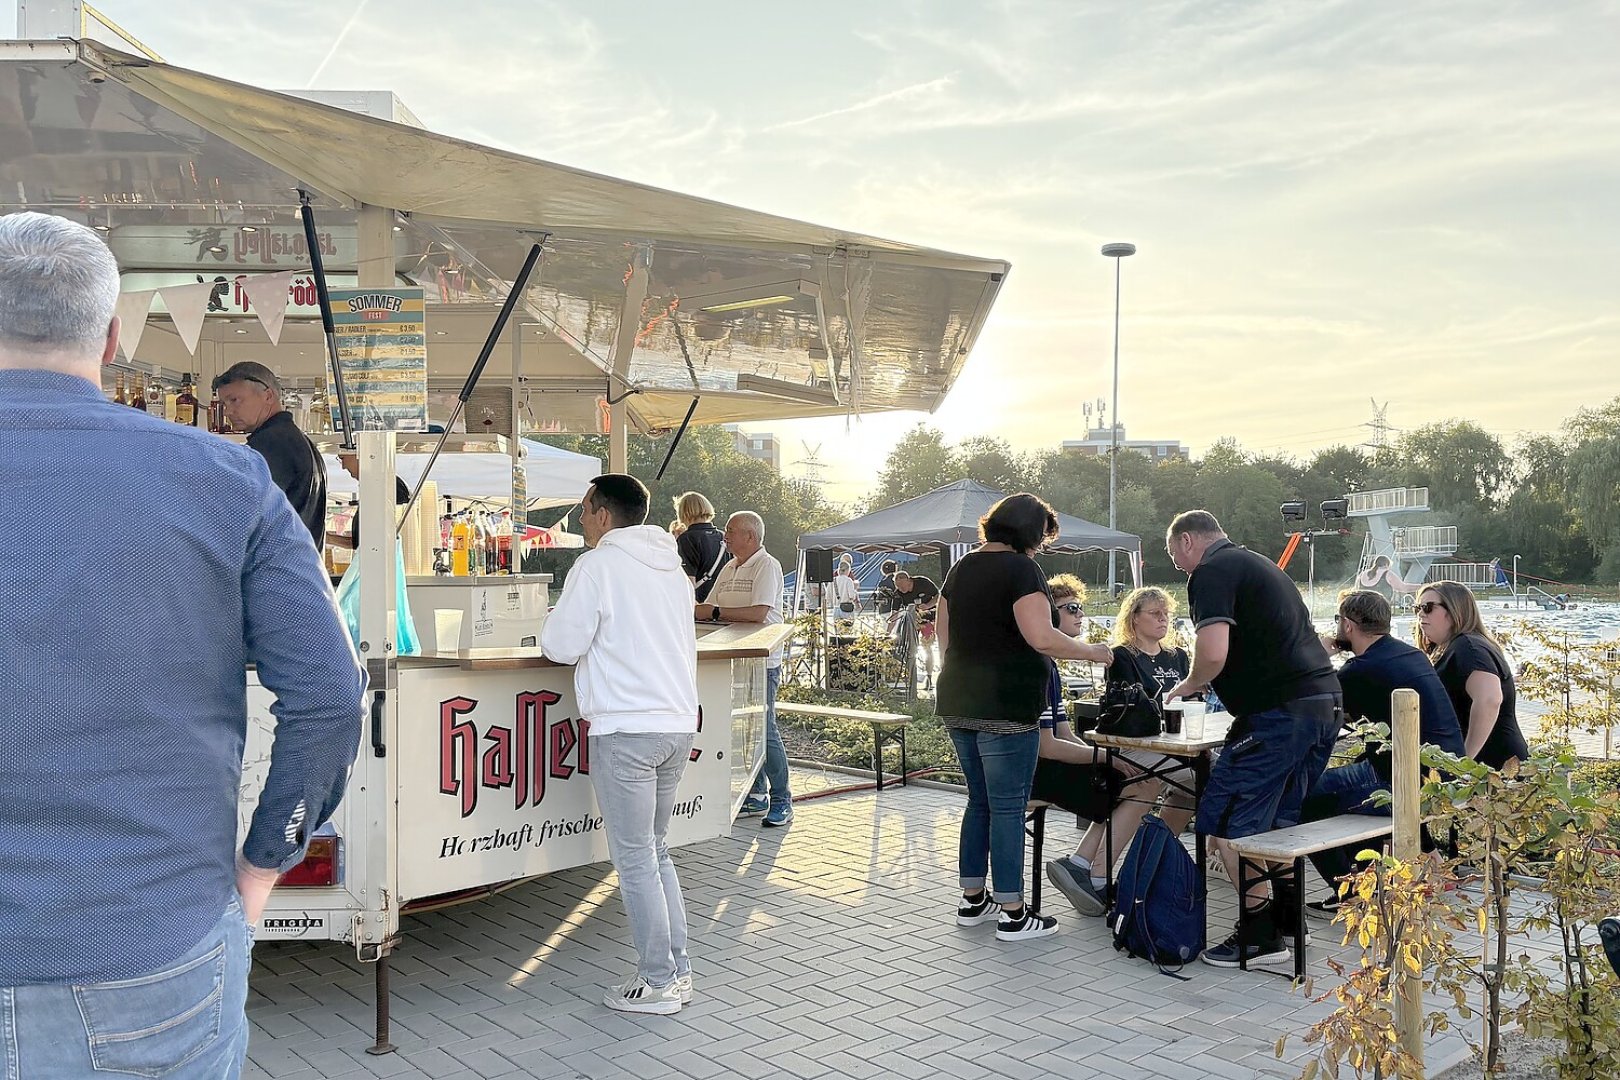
column 1426, row 540
column 1475, row 575
column 1387, row 500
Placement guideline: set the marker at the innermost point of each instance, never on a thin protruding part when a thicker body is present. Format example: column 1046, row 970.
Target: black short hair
column 1023, row 522
column 248, row 371
column 624, row 497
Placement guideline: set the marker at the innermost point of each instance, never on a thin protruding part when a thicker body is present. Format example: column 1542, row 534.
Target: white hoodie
column 625, row 621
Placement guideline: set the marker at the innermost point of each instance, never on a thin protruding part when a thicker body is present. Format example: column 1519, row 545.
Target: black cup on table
column 1172, row 719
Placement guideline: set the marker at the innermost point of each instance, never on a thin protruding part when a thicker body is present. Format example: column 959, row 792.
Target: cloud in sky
column 1333, row 201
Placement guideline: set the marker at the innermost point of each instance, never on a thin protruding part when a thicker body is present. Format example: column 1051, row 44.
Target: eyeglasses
column 1429, row 605
column 1072, row 608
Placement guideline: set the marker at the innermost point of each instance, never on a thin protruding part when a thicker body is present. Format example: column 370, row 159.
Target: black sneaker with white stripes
column 1028, row 923
column 974, row 912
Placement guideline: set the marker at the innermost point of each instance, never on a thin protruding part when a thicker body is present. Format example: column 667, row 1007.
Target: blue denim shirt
column 143, row 567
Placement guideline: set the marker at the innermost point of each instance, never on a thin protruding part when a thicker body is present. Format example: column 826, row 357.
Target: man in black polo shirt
column 252, row 399
column 1379, row 666
column 1256, row 645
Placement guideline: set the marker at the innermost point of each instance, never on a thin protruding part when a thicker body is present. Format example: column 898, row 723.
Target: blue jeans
column 635, row 775
column 186, row 1022
column 775, row 772
column 998, row 770
column 1344, row 790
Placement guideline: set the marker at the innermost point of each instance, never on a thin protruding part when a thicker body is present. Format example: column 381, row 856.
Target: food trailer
column 647, row 311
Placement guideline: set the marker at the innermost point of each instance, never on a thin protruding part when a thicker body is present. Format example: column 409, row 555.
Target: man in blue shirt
column 1379, row 666
column 143, row 567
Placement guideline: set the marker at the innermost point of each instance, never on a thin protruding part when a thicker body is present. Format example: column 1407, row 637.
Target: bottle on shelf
column 157, row 399
column 461, row 547
column 137, row 398
column 503, row 543
column 118, row 389
column 186, row 408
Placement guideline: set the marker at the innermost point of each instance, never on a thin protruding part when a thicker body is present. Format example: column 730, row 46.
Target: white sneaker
column 683, row 987
column 637, row 997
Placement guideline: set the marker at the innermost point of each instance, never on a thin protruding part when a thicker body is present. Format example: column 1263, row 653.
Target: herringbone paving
column 827, row 949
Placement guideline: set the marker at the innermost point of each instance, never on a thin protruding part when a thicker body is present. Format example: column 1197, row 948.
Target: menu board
column 382, row 348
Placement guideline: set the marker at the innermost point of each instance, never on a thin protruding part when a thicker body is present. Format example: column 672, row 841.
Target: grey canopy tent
column 947, row 520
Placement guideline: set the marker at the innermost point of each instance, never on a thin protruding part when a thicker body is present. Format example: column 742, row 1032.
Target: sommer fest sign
column 382, row 348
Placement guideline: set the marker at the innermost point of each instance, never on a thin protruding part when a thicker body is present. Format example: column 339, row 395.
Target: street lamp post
column 1516, row 581
column 1115, row 252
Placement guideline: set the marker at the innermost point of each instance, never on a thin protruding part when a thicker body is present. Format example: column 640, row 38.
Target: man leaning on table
column 749, row 590
column 126, row 909
column 1255, row 644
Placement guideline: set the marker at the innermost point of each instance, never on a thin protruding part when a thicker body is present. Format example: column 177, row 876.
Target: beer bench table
column 1177, row 752
column 887, row 728
column 1286, row 849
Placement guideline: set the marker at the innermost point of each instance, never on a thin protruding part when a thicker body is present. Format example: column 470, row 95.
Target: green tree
column 995, row 464
column 1460, row 463
column 919, row 463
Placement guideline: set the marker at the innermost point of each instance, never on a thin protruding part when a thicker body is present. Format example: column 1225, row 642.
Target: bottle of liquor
column 157, row 399
column 118, row 389
column 186, row 410
column 218, row 422
column 138, row 397
column 503, row 543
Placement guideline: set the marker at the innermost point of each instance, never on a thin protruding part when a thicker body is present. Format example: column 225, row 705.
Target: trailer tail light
column 322, row 865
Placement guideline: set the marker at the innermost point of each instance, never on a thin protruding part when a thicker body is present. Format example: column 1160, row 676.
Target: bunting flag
column 131, row 311
column 187, row 305
column 267, row 296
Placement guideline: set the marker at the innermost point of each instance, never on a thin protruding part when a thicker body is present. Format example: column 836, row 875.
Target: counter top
column 415, row 580
column 729, row 641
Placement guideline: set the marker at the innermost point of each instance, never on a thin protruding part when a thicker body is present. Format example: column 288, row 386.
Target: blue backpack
column 1158, row 911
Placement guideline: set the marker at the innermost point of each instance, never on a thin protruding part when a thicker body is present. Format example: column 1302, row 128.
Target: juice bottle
column 460, row 547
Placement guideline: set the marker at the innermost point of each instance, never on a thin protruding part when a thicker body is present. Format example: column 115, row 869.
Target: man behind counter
column 252, row 399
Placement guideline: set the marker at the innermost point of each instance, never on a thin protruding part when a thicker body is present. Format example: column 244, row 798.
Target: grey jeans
column 635, row 775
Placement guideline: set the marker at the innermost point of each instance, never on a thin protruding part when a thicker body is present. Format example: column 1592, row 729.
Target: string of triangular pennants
column 187, row 306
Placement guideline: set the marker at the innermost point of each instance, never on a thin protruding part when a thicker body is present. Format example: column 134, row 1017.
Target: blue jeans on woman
column 186, row 1022
column 999, row 770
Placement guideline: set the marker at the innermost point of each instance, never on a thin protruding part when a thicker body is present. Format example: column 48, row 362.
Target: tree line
column 1553, row 499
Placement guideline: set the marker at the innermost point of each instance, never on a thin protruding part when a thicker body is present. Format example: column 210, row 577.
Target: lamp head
column 1118, row 251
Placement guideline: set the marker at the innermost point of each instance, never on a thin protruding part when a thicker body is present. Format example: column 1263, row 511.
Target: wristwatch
column 714, row 613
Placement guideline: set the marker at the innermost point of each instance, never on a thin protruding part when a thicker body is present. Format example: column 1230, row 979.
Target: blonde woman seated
column 1145, row 655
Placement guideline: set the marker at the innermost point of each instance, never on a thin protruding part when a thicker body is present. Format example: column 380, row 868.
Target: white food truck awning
column 757, row 316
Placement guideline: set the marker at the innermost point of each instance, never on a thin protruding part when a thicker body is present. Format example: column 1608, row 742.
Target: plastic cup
column 1172, row 718
column 1193, row 713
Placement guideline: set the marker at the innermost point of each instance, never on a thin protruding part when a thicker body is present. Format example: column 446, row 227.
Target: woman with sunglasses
column 1475, row 673
column 995, row 627
column 1144, row 655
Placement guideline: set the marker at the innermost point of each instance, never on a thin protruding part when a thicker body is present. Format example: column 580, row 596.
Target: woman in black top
column 995, row 627
column 1476, row 675
column 702, row 548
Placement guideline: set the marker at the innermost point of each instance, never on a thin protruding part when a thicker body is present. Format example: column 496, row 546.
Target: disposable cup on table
column 1192, row 719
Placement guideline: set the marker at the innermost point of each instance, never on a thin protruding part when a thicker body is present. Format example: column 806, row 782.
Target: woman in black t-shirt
column 702, row 548
column 1476, row 675
column 995, row 628
column 1143, row 655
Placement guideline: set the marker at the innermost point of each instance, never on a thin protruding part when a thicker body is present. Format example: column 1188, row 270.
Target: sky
column 1333, row 202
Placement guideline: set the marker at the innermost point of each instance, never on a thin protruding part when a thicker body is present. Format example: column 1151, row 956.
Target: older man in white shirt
column 749, row 590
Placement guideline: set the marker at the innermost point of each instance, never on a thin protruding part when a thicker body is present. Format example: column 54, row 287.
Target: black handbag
column 1130, row 711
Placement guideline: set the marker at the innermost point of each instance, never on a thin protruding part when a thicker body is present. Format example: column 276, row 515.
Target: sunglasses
column 1428, row 606
column 1072, row 608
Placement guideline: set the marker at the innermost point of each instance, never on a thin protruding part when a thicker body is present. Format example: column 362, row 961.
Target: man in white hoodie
column 625, row 621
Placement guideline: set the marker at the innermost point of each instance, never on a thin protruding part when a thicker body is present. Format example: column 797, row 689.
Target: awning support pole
column 318, row 271
column 519, row 283
column 676, row 441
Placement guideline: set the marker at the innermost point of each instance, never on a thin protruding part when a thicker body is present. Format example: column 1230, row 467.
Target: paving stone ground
column 827, row 949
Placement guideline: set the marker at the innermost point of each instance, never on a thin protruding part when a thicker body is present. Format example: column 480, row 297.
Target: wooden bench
column 1286, row 851
column 887, row 728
